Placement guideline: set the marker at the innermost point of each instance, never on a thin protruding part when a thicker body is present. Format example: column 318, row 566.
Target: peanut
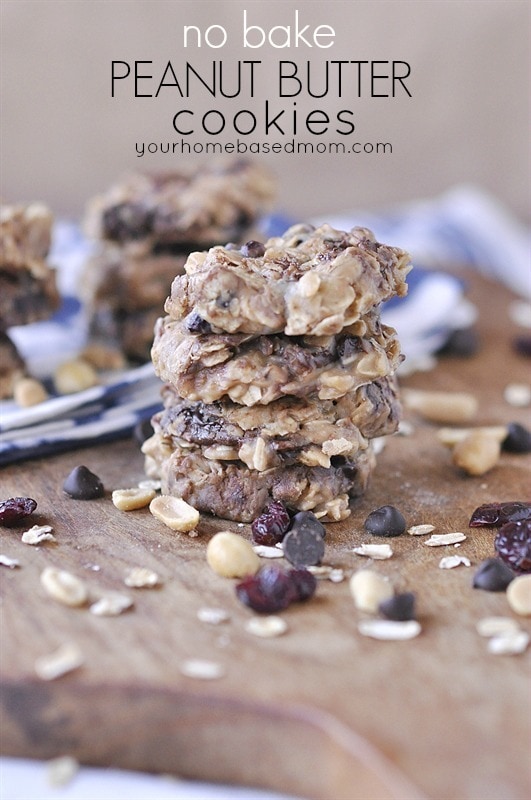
column 131, row 499
column 368, row 589
column 174, row 512
column 519, row 595
column 452, row 436
column 29, row 392
column 444, row 407
column 64, row 587
column 75, row 376
column 477, row 453
column 231, row 556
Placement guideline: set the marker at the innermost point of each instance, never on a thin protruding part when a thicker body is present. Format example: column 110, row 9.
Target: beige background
column 64, row 138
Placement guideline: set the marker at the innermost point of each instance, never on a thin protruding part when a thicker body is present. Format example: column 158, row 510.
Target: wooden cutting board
column 320, row 711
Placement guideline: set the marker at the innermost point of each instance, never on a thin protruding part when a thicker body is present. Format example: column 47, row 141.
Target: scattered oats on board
column 421, row 530
column 213, row 616
column 150, row 483
column 389, row 630
column 141, row 578
column 66, row 658
column 440, row 539
column 202, row 669
column 508, row 644
column 324, row 571
column 111, row 605
column 61, row 770
column 517, row 395
column 6, row 561
column 450, row 562
column 495, row 626
column 64, row 587
column 38, row 534
column 266, row 627
column 264, row 551
column 379, row 552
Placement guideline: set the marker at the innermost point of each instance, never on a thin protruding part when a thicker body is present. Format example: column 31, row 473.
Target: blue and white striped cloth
column 462, row 227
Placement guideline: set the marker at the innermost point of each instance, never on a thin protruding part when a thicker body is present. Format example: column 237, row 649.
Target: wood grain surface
column 320, row 711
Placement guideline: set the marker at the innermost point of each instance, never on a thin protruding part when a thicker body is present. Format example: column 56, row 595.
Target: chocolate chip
column 196, row 324
column 400, row 607
column 308, row 520
column 522, row 345
column 252, row 249
column 518, row 439
column 461, row 343
column 385, row 521
column 492, row 575
column 304, row 544
column 82, row 484
column 143, row 430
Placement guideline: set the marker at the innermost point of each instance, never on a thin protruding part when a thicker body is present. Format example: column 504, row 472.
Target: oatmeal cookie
column 373, row 409
column 258, row 370
column 12, row 366
column 213, row 204
column 28, row 290
column 230, row 490
column 310, row 281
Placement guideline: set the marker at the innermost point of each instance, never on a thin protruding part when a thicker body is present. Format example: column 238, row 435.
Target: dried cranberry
column 15, row 509
column 492, row 575
column 518, row 439
column 461, row 343
column 252, row 249
column 400, row 607
column 385, row 521
column 513, row 545
column 304, row 582
column 270, row 527
column 491, row 515
column 267, row 592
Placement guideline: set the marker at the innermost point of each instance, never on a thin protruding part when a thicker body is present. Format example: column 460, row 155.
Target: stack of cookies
column 278, row 373
column 28, row 291
column 144, row 228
